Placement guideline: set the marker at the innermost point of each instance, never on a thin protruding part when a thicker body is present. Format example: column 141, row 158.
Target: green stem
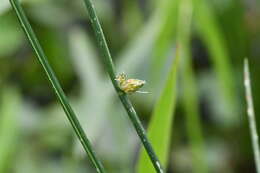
column 123, row 97
column 251, row 115
column 55, row 84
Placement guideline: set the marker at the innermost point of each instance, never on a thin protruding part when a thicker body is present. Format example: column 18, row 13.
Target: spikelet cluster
column 129, row 86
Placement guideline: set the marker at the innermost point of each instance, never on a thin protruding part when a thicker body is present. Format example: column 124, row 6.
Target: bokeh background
column 35, row 135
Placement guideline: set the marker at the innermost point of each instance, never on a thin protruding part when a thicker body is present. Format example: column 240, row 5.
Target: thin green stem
column 123, row 97
column 55, row 84
column 251, row 115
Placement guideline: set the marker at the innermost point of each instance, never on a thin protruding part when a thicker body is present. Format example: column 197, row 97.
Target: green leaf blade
column 159, row 130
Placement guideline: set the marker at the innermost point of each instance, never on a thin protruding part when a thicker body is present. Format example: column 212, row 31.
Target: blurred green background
column 35, row 135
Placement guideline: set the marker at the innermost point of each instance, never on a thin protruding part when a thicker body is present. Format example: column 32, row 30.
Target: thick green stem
column 55, row 84
column 123, row 97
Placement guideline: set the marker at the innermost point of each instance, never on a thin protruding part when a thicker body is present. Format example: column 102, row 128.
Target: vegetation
column 189, row 52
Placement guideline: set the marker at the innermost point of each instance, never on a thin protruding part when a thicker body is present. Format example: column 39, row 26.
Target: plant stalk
column 56, row 86
column 251, row 115
column 123, row 97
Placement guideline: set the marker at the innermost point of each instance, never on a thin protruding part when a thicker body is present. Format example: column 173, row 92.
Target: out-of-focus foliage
column 9, row 131
column 189, row 91
column 35, row 135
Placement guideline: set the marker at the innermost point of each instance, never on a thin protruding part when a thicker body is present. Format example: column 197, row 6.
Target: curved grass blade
column 123, row 97
column 251, row 115
column 190, row 96
column 56, row 86
column 159, row 130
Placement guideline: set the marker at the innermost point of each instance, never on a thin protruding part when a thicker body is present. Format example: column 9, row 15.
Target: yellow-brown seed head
column 129, row 86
